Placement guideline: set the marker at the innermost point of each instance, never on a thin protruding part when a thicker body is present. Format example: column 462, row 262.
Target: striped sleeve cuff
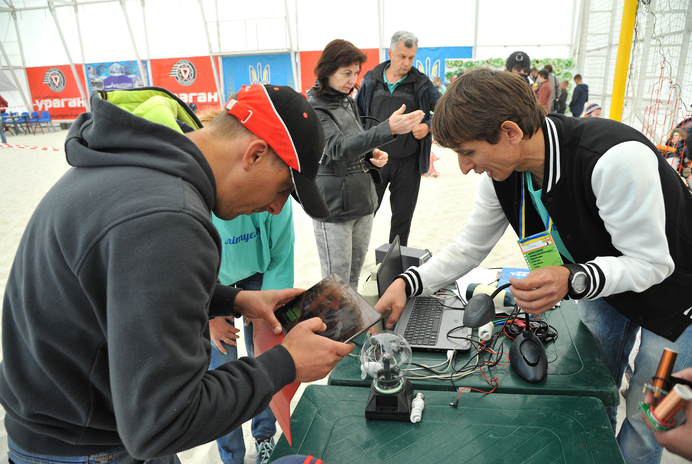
column 414, row 284
column 596, row 280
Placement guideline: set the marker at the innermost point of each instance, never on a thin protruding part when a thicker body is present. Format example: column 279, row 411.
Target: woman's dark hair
column 338, row 53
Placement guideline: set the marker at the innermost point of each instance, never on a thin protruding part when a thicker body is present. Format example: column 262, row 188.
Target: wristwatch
column 578, row 281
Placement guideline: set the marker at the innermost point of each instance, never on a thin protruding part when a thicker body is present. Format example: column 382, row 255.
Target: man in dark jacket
column 384, row 90
column 557, row 90
column 106, row 312
column 579, row 97
column 562, row 100
column 617, row 215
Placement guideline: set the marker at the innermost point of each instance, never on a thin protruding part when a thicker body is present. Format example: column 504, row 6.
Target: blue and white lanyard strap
column 522, row 216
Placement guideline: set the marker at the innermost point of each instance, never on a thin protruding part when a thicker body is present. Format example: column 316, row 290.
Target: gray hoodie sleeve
column 164, row 397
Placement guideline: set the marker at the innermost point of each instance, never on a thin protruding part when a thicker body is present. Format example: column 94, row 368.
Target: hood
column 140, row 128
column 584, row 86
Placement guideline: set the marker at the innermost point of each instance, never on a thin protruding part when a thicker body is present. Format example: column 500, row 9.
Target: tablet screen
column 342, row 309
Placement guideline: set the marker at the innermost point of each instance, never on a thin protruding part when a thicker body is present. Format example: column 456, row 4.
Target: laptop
column 425, row 321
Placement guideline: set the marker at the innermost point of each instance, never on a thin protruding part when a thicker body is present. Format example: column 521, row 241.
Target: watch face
column 579, row 282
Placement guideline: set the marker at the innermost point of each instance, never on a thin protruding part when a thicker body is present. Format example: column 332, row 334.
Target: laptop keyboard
column 424, row 325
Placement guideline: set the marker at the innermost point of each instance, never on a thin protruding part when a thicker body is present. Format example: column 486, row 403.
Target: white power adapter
column 486, row 332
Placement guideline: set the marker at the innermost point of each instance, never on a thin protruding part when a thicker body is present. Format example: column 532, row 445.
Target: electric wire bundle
column 486, row 354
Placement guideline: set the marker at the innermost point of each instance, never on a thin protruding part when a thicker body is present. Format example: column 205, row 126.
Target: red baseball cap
column 285, row 120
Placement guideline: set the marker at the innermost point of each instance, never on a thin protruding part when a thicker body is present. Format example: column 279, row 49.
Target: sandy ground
column 443, row 207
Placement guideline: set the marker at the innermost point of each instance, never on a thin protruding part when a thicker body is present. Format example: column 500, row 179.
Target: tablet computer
column 342, row 309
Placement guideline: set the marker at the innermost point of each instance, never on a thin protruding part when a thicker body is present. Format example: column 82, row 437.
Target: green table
column 329, row 423
column 575, row 366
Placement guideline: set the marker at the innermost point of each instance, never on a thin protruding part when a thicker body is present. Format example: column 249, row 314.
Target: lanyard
column 522, row 217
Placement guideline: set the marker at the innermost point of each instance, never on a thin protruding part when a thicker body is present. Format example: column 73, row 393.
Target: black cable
column 499, row 289
column 545, row 332
column 377, row 121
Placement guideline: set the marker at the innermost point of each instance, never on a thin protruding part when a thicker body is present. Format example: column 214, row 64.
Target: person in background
column 562, row 101
column 386, row 88
column 350, row 165
column 458, row 75
column 679, row 440
column 437, row 82
column 533, row 79
column 256, row 254
column 432, row 172
column 555, row 83
column 675, row 139
column 545, row 91
column 674, row 148
column 618, row 216
column 107, row 305
column 517, row 70
column 593, row 110
column 580, row 96
column 3, row 107
column 525, row 73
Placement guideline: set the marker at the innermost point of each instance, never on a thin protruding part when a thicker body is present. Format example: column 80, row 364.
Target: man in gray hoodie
column 105, row 315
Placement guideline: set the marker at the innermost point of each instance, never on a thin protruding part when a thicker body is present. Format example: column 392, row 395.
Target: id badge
column 539, row 250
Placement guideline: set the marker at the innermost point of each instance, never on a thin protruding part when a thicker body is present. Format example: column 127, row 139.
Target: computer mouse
column 479, row 311
column 527, row 357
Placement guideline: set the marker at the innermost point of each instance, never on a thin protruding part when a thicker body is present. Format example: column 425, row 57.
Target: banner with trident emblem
column 256, row 69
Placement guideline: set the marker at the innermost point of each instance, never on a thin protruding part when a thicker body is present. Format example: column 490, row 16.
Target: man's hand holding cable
column 393, row 301
column 541, row 289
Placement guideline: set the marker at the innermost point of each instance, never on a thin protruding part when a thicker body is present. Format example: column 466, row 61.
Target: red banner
column 191, row 79
column 54, row 89
column 308, row 61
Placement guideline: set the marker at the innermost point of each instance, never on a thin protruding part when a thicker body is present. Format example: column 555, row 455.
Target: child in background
column 593, row 111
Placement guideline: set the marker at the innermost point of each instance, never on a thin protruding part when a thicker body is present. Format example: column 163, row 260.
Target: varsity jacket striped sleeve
column 626, row 184
column 629, row 197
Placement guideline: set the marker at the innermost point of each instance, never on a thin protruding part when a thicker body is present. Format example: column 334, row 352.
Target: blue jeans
column 232, row 446
column 118, row 455
column 615, row 335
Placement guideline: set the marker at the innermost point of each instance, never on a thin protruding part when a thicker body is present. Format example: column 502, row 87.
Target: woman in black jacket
column 350, row 163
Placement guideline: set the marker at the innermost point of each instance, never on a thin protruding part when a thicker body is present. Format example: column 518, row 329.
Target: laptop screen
column 390, row 267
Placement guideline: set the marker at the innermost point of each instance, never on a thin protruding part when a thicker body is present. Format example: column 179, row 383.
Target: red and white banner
column 191, row 79
column 54, row 89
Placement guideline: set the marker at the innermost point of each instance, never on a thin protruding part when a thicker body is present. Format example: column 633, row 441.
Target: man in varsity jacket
column 620, row 218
